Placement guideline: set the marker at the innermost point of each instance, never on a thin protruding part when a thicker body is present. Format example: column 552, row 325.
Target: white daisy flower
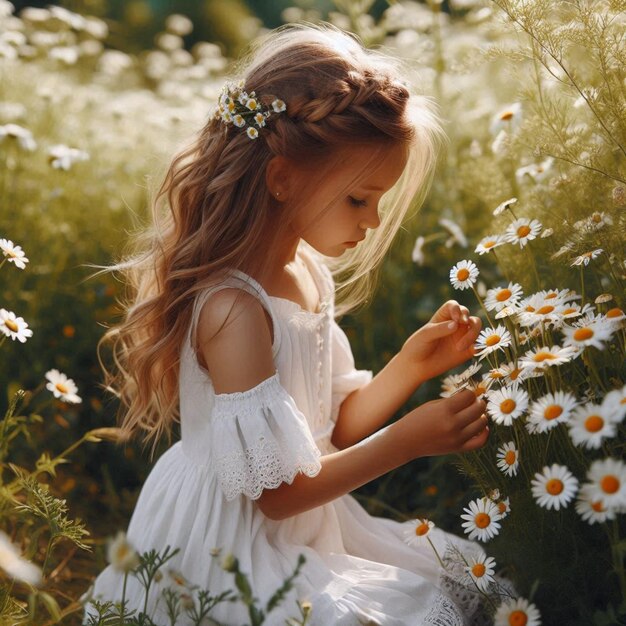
column 252, row 104
column 278, row 106
column 14, row 327
column 451, row 384
column 463, row 275
column 547, row 357
column 417, row 531
column 584, row 258
column 592, row 510
column 481, row 570
column 549, row 410
column 547, row 232
column 503, row 206
column 417, row 255
column 603, row 297
column 455, row 230
column 507, row 404
column 62, row 387
column 259, row 118
column 504, row 507
column 582, row 335
column 536, row 171
column 121, row 554
column 608, row 482
column 252, row 132
column 238, row 121
column 15, row 565
column 614, row 404
column 481, row 519
column 522, row 230
column 517, row 612
column 62, row 157
column 590, row 424
column 491, row 339
column 508, row 118
column 508, row 311
column 615, row 316
column 23, row 136
column 512, row 371
column 500, row 297
column 554, row 487
column 479, row 387
column 14, row 253
column 470, row 371
column 488, row 243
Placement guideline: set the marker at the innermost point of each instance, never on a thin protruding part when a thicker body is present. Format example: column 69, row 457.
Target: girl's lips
column 350, row 244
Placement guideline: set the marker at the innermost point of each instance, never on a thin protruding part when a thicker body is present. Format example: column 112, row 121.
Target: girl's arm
column 239, row 357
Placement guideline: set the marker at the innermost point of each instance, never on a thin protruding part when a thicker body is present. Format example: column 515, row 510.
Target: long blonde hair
column 219, row 211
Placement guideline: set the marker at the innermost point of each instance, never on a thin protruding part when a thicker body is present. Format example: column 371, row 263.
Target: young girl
column 293, row 190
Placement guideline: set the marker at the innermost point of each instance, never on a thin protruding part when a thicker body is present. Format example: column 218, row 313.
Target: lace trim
column 264, row 466
column 444, row 613
column 259, row 391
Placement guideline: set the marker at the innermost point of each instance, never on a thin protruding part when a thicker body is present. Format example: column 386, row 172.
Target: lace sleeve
column 259, row 440
column 345, row 377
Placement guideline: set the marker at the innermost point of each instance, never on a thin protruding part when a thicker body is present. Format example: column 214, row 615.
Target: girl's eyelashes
column 356, row 202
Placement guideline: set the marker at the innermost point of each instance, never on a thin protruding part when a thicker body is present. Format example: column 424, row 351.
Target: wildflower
column 481, row 570
column 513, row 371
column 547, row 232
column 482, row 519
column 481, row 387
column 470, row 371
column 455, row 230
column 62, row 387
column 62, row 157
column 501, row 297
column 536, row 171
column 507, row 119
column 15, row 565
column 554, row 487
column 614, row 404
column 23, row 136
column 615, row 316
column 549, row 410
column 504, row 507
column 582, row 335
column 584, row 259
column 14, row 253
column 507, row 404
column 492, row 339
column 279, row 106
column 589, row 425
column 608, row 482
column 522, row 230
column 417, row 255
column 14, row 327
column 417, row 532
column 507, row 311
column 121, row 554
column 177, row 581
column 463, row 275
column 547, row 357
column 503, row 206
column 178, row 24
column 592, row 509
column 451, row 384
column 488, row 243
column 517, row 612
column 252, row 132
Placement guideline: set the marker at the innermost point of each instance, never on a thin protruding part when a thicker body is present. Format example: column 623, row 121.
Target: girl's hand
column 446, row 341
column 454, row 424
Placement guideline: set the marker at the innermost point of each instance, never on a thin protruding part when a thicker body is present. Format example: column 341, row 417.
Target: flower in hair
column 244, row 110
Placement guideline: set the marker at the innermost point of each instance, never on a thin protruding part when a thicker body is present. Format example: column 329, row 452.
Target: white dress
column 201, row 493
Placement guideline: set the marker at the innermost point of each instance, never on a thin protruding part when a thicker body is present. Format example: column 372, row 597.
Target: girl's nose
column 371, row 219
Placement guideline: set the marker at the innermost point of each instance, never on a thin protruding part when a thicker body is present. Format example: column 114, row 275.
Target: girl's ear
column 279, row 177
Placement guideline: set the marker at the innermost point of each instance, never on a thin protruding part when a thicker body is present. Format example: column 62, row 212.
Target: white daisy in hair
column 607, row 480
column 614, row 404
column 278, row 106
column 542, row 357
column 554, row 487
column 501, row 297
column 549, row 410
column 522, row 230
column 259, row 118
column 507, row 404
column 463, row 275
column 591, row 509
column 481, row 570
column 491, row 339
column 517, row 612
column 252, row 132
column 417, row 532
column 482, row 519
column 14, row 253
column 584, row 333
column 584, row 258
column 488, row 243
column 14, row 327
column 238, row 121
column 590, row 424
column 62, row 387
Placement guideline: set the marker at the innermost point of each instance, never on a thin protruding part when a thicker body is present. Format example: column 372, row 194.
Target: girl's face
column 343, row 225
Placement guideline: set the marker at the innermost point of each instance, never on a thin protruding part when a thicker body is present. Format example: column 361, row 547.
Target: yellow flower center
column 598, row 507
column 482, row 520
column 496, row 375
column 583, row 333
column 551, row 295
column 596, row 217
column 478, row 570
column 552, row 412
column 594, row 423
column 518, row 618
column 515, row 373
column 543, row 356
column 544, row 310
column 522, row 231
column 554, row 486
column 489, row 244
column 510, row 457
column 568, row 311
column 422, row 529
column 479, row 390
column 492, row 340
column 506, row 116
column 503, row 294
column 530, row 309
column 11, row 325
column 502, row 507
column 61, row 387
column 616, row 312
column 508, row 406
column 463, row 274
column 609, row 483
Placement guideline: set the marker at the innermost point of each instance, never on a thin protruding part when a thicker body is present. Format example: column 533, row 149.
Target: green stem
column 123, row 608
column 482, row 304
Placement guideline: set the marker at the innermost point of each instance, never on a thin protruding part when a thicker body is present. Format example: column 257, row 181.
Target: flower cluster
column 244, row 110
